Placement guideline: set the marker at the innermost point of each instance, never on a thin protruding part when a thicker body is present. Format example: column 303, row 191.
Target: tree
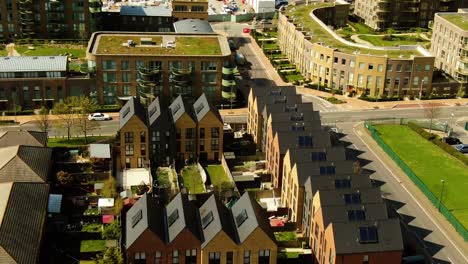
column 112, row 230
column 64, row 177
column 112, row 255
column 65, row 110
column 85, row 106
column 431, row 111
column 109, row 190
column 274, row 20
column 43, row 120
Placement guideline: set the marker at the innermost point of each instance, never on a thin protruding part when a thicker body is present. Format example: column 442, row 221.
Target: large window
column 140, row 258
column 128, row 137
column 125, row 65
column 197, row 9
column 175, row 257
column 189, row 133
column 209, row 66
column 108, row 65
column 191, row 256
column 214, row 144
column 180, row 8
column 214, row 258
column 215, row 132
column 264, row 256
column 229, row 257
column 247, row 257
column 158, row 258
column 189, row 146
column 129, row 150
column 126, row 77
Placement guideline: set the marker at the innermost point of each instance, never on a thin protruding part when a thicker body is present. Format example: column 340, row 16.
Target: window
column 202, row 132
column 370, row 66
column 143, row 149
column 125, row 65
column 214, row 144
column 189, row 133
column 427, row 67
column 362, row 65
column 416, row 81
column 142, row 137
column 352, row 63
column 365, row 259
column 264, row 256
column 126, row 77
column 202, row 145
column 178, row 133
column 139, row 64
column 241, row 217
column 356, row 215
column 140, row 257
column 191, row 256
column 229, row 257
column 360, row 79
column 368, row 234
column 209, row 65
column 343, row 61
column 189, row 146
column 398, row 68
column 129, row 150
column 158, row 257
column 380, row 68
column 140, row 162
column 327, row 170
column 155, row 64
column 305, row 141
column 128, row 137
column 214, row 258
column 389, row 67
column 247, row 257
column 209, row 78
column 180, row 8
column 318, row 156
column 109, row 77
column 207, row 219
column 175, row 256
column 127, row 162
column 342, row 183
column 215, row 132
column 108, row 65
column 173, row 217
column 408, row 67
column 352, row 198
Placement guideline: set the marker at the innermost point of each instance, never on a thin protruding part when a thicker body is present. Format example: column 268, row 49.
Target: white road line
column 420, row 206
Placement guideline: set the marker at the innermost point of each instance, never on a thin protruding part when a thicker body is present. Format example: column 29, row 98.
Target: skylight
column 176, row 109
column 207, row 219
column 173, row 217
column 199, row 108
column 153, row 110
column 137, row 217
column 241, row 217
column 125, row 112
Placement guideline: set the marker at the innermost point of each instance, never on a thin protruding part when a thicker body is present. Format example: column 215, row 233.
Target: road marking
column 420, row 206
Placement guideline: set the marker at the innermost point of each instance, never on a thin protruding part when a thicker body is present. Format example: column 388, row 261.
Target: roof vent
column 34, row 58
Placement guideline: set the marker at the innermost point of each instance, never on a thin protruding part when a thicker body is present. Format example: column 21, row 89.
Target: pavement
column 433, row 231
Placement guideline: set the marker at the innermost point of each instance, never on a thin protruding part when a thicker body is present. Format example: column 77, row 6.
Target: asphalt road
column 432, row 236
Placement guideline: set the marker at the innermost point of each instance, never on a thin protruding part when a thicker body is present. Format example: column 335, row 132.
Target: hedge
column 380, row 99
column 438, row 142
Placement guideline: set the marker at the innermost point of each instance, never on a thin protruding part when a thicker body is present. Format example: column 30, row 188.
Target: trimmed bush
column 437, row 141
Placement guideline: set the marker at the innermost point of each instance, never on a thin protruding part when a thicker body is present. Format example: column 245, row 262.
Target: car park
column 463, row 148
column 451, row 140
column 99, row 117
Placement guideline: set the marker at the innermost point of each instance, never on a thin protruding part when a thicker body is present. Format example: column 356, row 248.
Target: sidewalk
column 413, row 189
column 22, row 119
column 357, row 104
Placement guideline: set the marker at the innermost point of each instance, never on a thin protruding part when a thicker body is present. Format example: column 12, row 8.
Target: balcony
column 462, row 71
column 147, row 73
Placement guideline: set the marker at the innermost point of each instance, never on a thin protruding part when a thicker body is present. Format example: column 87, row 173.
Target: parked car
column 463, row 148
column 451, row 140
column 99, row 117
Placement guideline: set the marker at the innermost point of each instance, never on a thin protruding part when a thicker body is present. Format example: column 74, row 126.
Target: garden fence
column 420, row 184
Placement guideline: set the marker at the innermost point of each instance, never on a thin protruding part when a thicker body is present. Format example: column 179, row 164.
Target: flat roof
column 116, row 43
column 458, row 19
column 302, row 15
column 33, row 63
column 193, row 26
column 155, row 11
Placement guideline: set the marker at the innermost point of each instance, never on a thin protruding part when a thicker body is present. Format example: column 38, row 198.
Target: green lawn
column 74, row 142
column 95, row 228
column 217, row 175
column 394, row 41
column 49, row 50
column 288, row 255
column 192, row 179
column 285, row 236
column 361, row 28
column 92, row 245
column 431, row 164
column 163, row 178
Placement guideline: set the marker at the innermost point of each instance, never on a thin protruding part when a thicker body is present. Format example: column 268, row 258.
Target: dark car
column 451, row 140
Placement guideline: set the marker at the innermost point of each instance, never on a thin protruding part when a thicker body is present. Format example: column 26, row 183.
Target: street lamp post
column 441, row 193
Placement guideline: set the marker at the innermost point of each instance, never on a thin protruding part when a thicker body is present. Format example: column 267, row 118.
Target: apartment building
column 352, row 226
column 331, row 61
column 162, row 135
column 449, row 45
column 133, row 131
column 144, row 19
column 29, row 82
column 182, row 233
column 48, row 19
column 153, row 64
column 381, row 14
column 187, row 9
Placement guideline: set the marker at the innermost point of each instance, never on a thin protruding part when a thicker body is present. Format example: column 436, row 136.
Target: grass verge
column 285, row 236
column 192, row 179
column 74, row 142
column 92, row 245
column 217, row 175
column 431, row 164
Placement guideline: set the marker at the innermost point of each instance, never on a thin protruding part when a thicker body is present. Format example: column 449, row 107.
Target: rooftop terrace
column 301, row 14
column 185, row 44
column 459, row 20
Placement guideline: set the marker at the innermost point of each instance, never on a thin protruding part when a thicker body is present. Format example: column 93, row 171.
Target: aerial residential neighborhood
column 233, row 132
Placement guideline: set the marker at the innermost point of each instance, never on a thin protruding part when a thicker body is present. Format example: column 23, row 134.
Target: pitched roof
column 248, row 215
column 347, row 237
column 33, row 64
column 215, row 217
column 179, row 107
column 314, row 125
column 300, row 155
column 192, row 26
column 154, row 111
column 203, row 107
column 287, row 108
column 22, row 225
column 35, row 159
column 294, row 116
column 372, row 211
column 181, row 214
column 133, row 107
column 290, row 139
column 23, row 137
column 145, row 214
column 336, row 197
column 156, row 11
column 314, row 183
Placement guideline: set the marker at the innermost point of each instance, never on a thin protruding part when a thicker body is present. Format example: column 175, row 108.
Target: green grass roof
column 459, row 20
column 301, row 13
column 185, row 45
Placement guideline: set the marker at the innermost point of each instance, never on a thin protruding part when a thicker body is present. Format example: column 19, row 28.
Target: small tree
column 64, row 177
column 112, row 255
column 43, row 120
column 85, row 106
column 431, row 112
column 109, row 190
column 65, row 110
column 112, row 231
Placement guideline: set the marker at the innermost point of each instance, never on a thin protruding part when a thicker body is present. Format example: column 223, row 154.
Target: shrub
column 436, row 140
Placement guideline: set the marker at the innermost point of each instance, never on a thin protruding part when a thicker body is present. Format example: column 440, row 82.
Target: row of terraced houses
column 330, row 198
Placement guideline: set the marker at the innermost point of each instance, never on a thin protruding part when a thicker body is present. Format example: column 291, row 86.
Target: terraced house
column 48, row 19
column 325, row 58
column 157, row 64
